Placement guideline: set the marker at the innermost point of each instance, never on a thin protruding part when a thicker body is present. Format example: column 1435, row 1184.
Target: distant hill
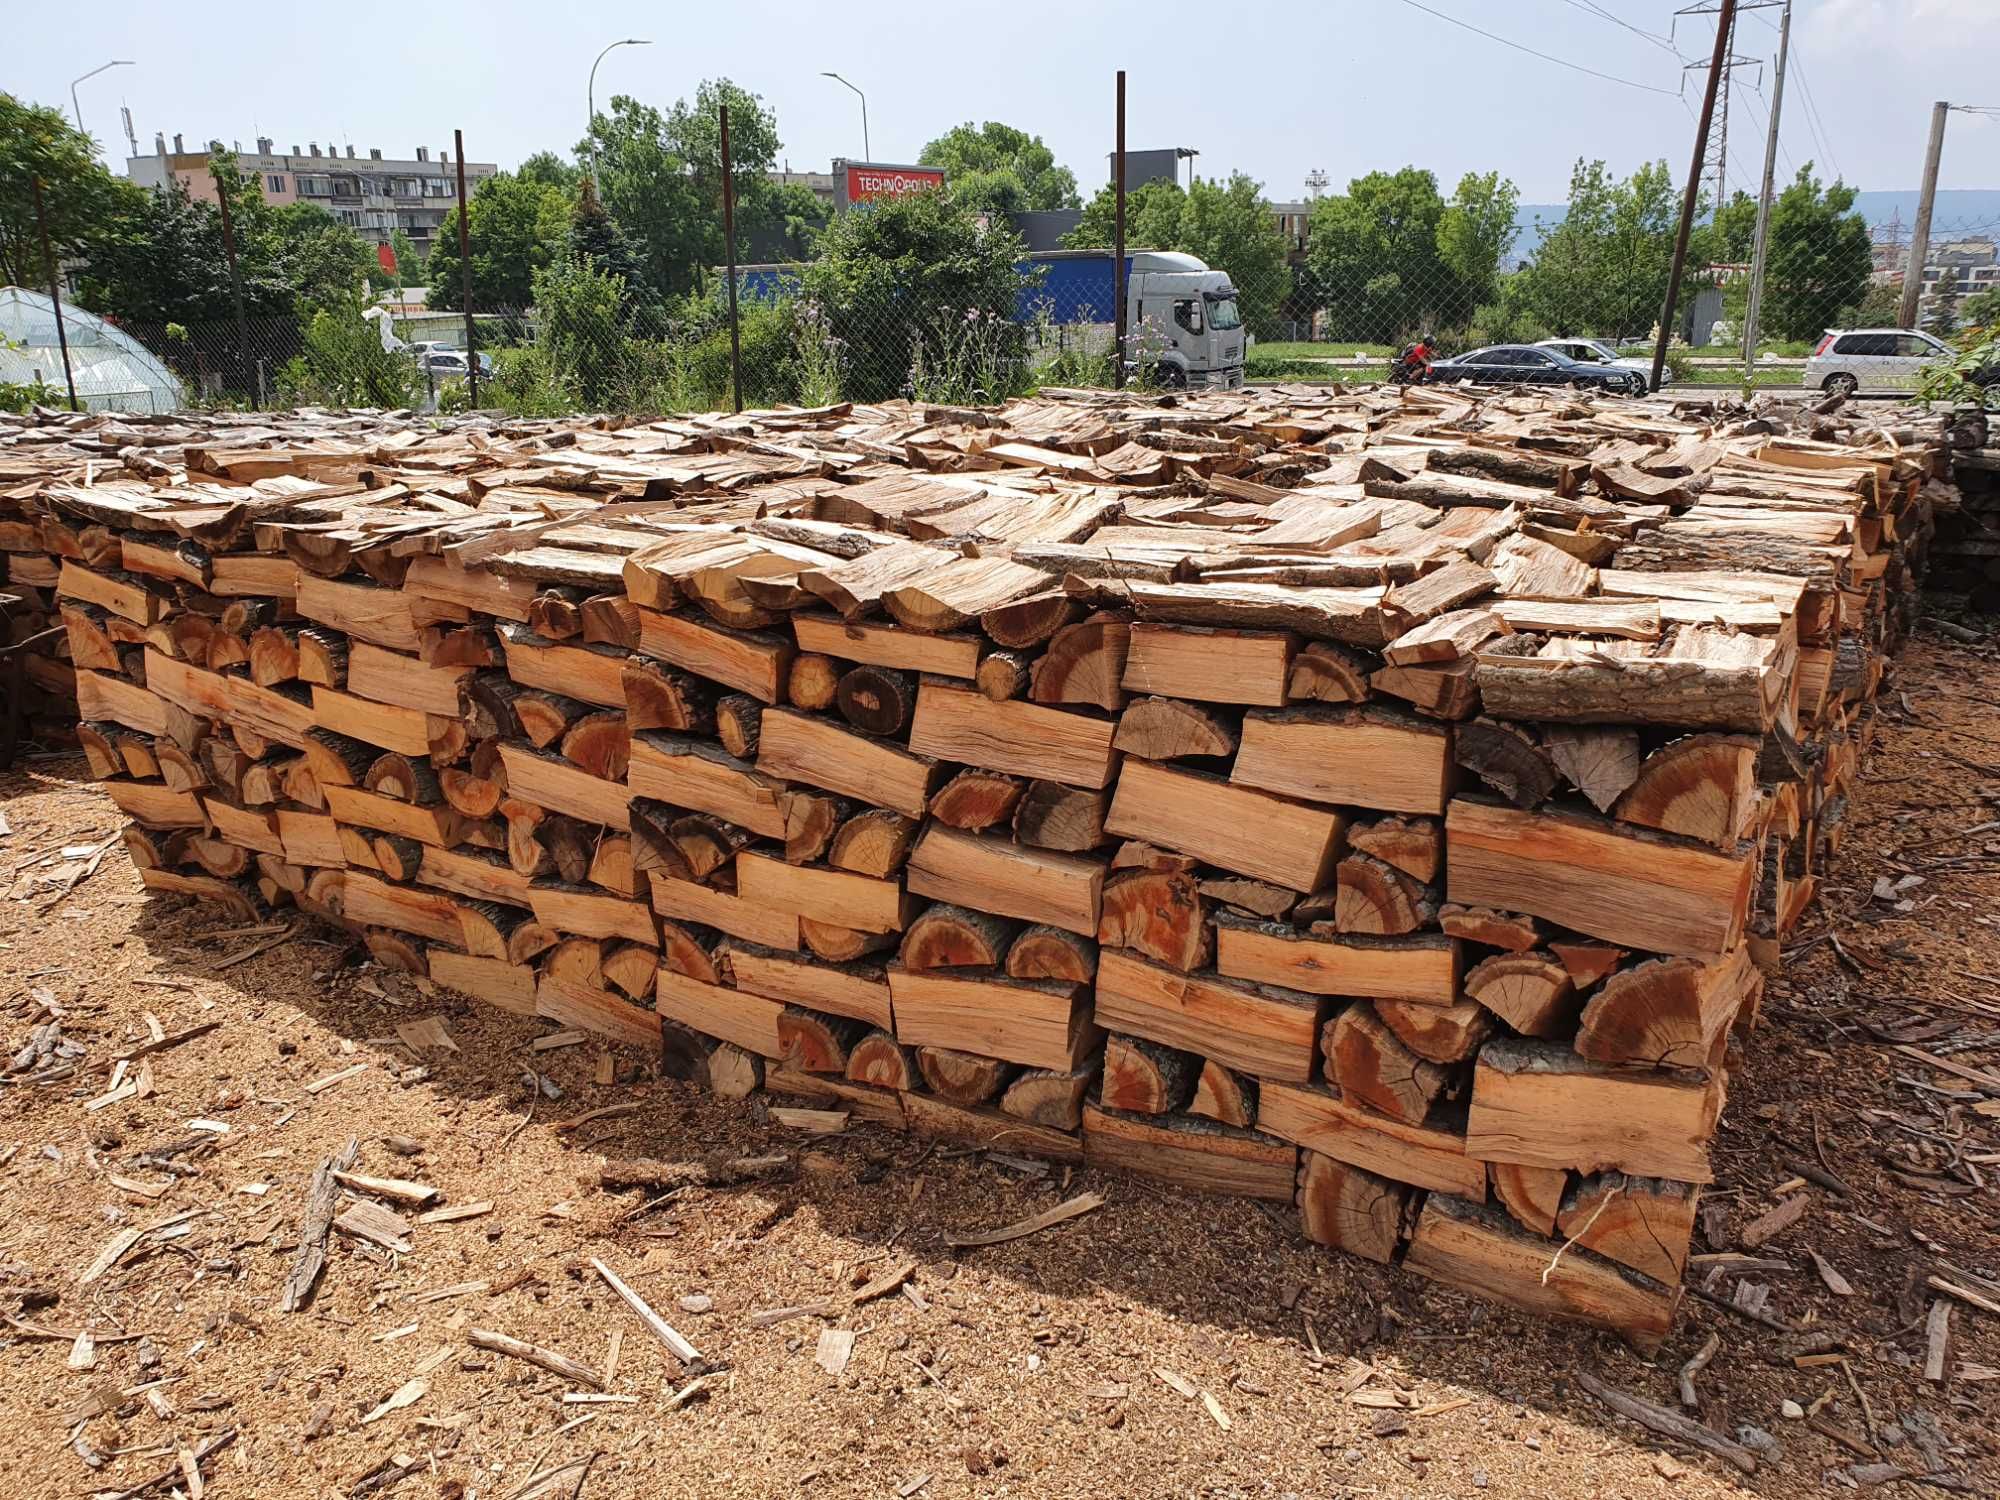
column 1959, row 212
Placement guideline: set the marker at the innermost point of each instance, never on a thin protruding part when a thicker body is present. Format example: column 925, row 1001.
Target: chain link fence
column 942, row 304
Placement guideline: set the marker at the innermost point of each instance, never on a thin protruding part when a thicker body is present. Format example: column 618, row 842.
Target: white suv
column 1848, row 360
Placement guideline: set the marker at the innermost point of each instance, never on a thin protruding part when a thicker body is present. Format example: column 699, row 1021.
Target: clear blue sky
column 1343, row 85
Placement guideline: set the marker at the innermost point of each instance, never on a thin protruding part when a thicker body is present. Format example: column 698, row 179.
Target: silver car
column 1874, row 360
column 1598, row 352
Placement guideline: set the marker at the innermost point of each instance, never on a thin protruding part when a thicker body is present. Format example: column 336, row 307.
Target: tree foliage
column 900, row 271
column 1374, row 255
column 515, row 228
column 1604, row 269
column 80, row 199
column 1475, row 233
column 996, row 168
column 1819, row 261
column 1229, row 225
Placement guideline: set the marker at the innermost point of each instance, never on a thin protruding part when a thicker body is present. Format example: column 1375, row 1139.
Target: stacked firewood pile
column 1386, row 803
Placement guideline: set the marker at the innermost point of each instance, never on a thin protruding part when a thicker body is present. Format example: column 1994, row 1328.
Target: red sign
column 890, row 182
column 385, row 257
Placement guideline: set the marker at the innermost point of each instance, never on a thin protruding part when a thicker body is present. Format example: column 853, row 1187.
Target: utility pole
column 55, row 292
column 729, row 251
column 1118, row 248
column 1920, row 236
column 1755, row 305
column 465, row 272
column 1725, row 22
column 235, row 275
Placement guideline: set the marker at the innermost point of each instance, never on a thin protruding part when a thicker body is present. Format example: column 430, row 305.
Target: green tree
column 83, row 203
column 1474, row 235
column 792, row 216
column 1228, row 225
column 580, row 327
column 598, row 241
column 1944, row 303
column 1981, row 309
column 409, row 259
column 1819, row 261
column 313, row 256
column 900, row 272
column 550, row 170
column 995, row 168
column 1374, row 256
column 514, row 229
column 1733, row 230
column 341, row 361
column 1603, row 270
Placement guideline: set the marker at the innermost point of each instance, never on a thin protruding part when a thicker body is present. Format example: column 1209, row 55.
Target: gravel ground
column 1162, row 1345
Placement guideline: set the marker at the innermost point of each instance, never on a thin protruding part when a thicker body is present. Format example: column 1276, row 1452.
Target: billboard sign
column 861, row 181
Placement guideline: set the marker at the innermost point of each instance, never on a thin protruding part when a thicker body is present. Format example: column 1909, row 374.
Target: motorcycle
column 1412, row 365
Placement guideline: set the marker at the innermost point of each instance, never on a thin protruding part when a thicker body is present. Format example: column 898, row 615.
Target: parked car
column 1598, row 352
column 1851, row 360
column 451, row 363
column 1526, row 364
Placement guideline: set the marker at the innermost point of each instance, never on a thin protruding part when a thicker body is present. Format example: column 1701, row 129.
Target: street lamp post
column 73, row 104
column 866, row 150
column 591, row 93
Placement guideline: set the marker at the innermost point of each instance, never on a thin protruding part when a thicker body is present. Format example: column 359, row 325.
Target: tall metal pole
column 1118, row 247
column 866, row 149
column 235, row 276
column 1755, row 307
column 1920, row 237
column 465, row 270
column 74, row 105
column 590, row 94
column 55, row 293
column 729, row 256
column 1725, row 21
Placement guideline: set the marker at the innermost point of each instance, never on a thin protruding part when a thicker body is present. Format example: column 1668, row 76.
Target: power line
column 1591, row 9
column 1545, row 57
column 1813, row 117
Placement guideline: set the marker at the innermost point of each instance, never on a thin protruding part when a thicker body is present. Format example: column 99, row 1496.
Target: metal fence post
column 235, row 276
column 729, row 256
column 1724, row 20
column 465, row 270
column 1118, row 247
column 55, row 293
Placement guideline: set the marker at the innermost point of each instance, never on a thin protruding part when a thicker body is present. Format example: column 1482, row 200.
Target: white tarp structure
column 113, row 370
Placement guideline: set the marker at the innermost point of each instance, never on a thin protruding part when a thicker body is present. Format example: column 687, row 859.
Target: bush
column 341, row 362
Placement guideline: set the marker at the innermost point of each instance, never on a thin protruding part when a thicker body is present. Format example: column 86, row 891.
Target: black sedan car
column 1526, row 364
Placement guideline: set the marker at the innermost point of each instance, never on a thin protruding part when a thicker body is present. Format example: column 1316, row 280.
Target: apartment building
column 372, row 194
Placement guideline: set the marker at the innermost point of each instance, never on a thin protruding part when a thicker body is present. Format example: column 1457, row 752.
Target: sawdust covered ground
column 1039, row 1367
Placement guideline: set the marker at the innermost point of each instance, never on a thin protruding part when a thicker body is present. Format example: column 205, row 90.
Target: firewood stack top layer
column 1387, row 803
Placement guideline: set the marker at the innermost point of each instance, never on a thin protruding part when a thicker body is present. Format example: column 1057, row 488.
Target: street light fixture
column 78, row 108
column 591, row 92
column 866, row 149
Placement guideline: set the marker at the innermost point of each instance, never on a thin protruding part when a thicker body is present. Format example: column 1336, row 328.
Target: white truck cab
column 1184, row 325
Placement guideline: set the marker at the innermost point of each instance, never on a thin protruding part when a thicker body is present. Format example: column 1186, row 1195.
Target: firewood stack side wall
column 1390, row 804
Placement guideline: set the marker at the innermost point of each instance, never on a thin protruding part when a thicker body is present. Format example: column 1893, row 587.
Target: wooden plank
column 592, row 674
column 391, row 677
column 1423, row 968
column 310, row 838
column 1039, row 1023
column 751, row 663
column 749, row 1021
column 481, row 877
column 1022, row 739
column 1210, row 666
column 852, row 990
column 929, row 1115
column 701, row 777
column 404, row 730
column 247, row 827
column 127, row 597
column 822, row 753
column 1318, row 1118
column 1191, row 1155
column 1249, row 831
column 364, row 809
column 685, row 901
column 508, row 987
column 99, row 695
column 1626, row 887
column 549, row 781
column 232, row 700
column 597, row 1011
column 859, row 902
column 1363, row 756
column 445, row 580
column 156, row 805
column 994, row 875
column 1476, row 1250
column 584, row 912
column 889, row 645
column 1263, row 1031
column 1540, row 1105
column 377, row 615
